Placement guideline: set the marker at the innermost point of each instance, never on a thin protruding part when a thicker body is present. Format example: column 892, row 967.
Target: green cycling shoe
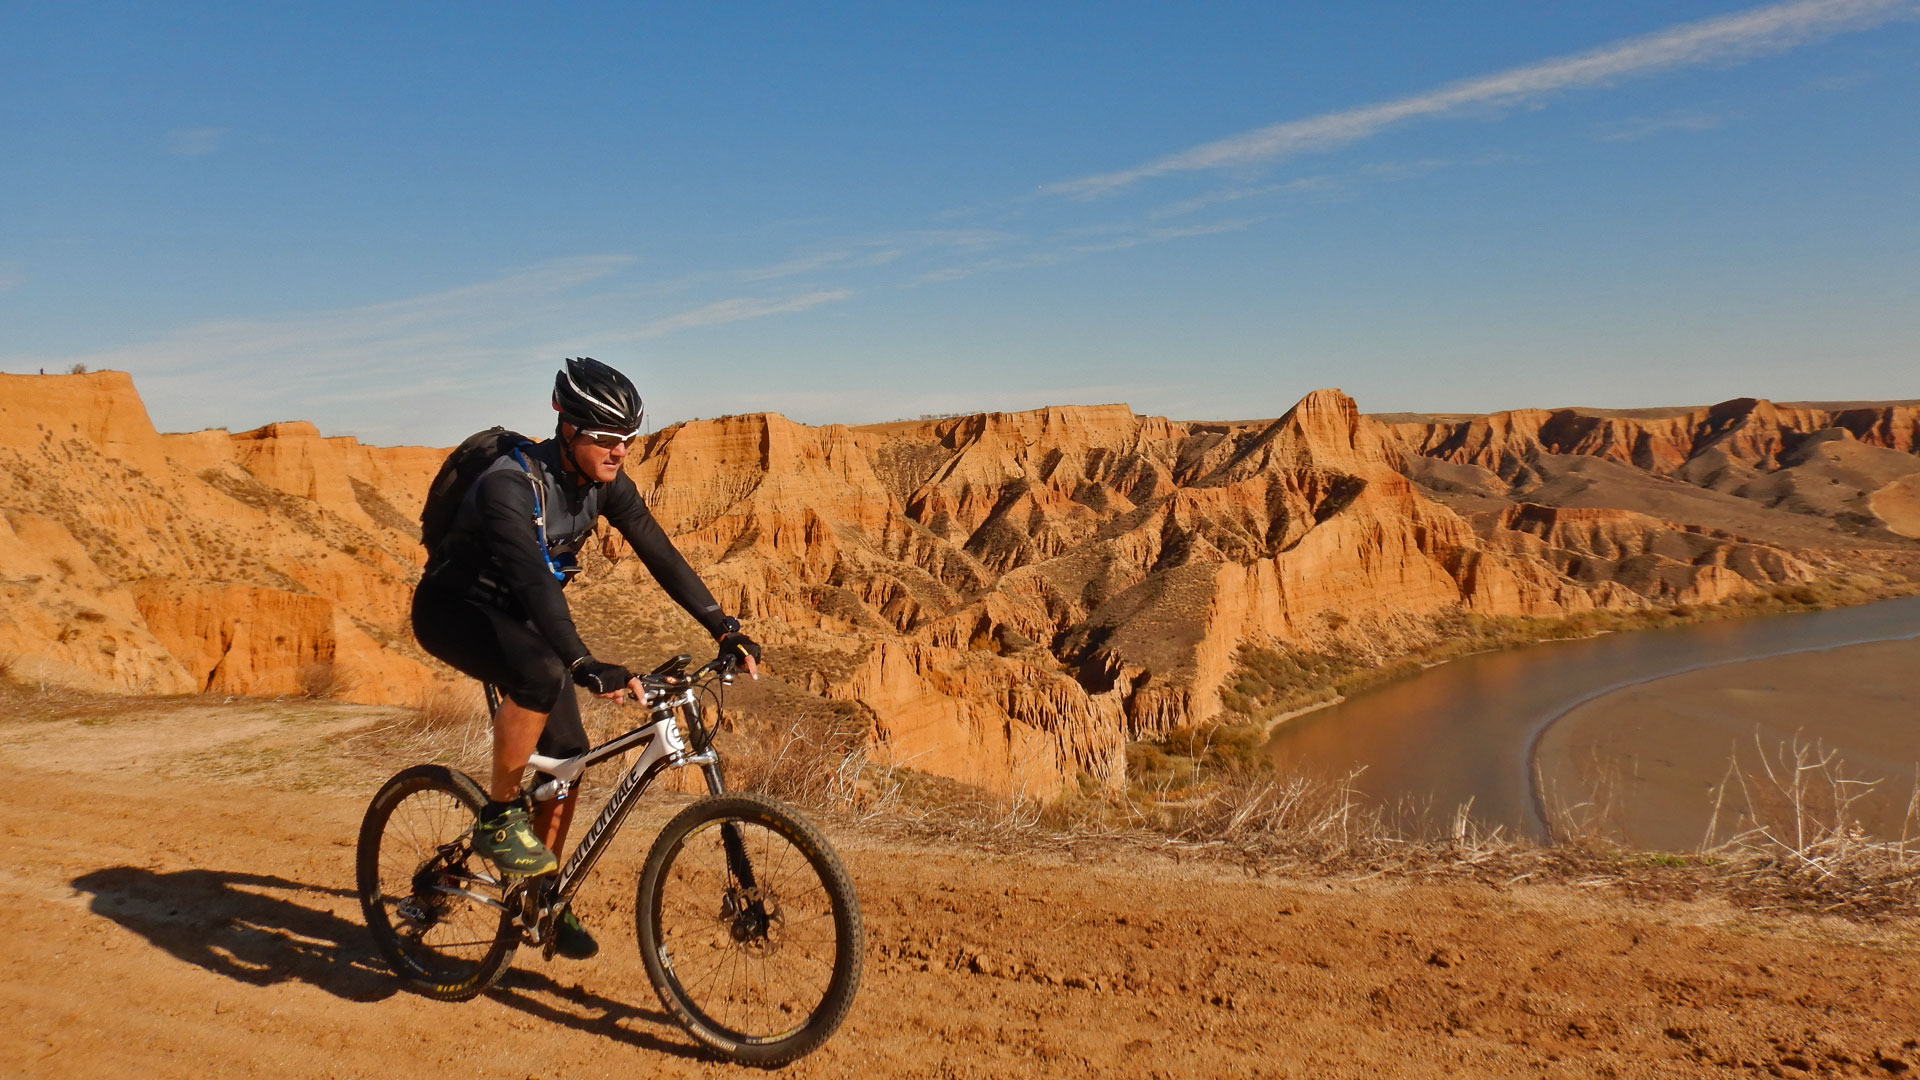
column 507, row 840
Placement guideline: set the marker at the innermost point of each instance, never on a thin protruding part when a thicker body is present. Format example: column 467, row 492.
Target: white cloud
column 738, row 309
column 986, row 266
column 1158, row 235
column 367, row 338
column 1727, row 39
column 1645, row 127
column 1292, row 187
column 195, row 142
column 1079, row 242
column 880, row 255
column 398, row 369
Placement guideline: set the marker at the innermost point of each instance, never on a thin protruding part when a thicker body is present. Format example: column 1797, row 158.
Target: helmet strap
column 567, row 463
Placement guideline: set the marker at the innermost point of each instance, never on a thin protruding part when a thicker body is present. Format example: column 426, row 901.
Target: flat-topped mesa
column 764, row 506
column 1057, row 426
column 100, row 407
column 166, row 563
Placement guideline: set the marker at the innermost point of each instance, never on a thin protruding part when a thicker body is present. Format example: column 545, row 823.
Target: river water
column 1465, row 730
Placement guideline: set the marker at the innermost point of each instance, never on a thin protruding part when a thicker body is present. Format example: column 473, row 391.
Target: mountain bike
column 749, row 927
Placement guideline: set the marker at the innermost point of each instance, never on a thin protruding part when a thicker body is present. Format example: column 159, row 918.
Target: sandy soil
column 176, row 912
column 1652, row 757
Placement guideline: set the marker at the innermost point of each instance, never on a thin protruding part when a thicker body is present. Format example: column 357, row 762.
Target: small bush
column 1800, row 844
column 447, row 723
column 323, row 681
column 816, row 759
column 446, row 708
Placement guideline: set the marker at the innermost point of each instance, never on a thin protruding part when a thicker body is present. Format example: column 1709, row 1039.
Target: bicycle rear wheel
column 749, row 929
column 429, row 900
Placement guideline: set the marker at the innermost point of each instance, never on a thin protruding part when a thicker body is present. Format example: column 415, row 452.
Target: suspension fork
column 738, row 864
column 742, row 868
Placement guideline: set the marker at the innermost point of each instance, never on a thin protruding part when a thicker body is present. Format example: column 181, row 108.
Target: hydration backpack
column 456, row 475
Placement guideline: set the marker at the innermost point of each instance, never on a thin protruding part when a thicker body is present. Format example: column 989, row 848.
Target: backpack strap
column 539, row 512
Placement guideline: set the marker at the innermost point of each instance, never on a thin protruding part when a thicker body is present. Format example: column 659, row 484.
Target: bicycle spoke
column 759, row 981
column 414, row 876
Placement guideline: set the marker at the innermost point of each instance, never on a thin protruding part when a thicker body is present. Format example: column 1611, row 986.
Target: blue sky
column 396, row 222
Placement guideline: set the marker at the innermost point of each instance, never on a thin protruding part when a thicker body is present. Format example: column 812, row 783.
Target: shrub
column 818, row 758
column 446, row 724
column 323, row 680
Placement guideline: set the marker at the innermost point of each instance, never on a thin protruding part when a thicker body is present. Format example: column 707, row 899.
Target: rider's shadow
column 584, row 1010
column 217, row 920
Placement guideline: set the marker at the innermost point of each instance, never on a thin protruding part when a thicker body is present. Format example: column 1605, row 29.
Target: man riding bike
column 490, row 605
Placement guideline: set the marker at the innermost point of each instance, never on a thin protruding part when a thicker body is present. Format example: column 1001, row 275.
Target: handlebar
column 674, row 674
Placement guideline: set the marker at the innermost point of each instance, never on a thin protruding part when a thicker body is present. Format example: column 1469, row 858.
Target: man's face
column 596, row 460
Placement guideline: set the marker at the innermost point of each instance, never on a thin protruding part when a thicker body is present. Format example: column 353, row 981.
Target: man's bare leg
column 515, row 731
column 551, row 819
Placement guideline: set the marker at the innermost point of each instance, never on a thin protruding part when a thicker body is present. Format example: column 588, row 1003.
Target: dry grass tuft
column 25, row 697
column 1799, row 843
column 323, row 681
column 447, row 724
column 1796, row 847
column 818, row 759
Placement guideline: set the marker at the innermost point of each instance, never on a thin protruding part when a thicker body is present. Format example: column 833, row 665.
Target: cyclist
column 491, row 606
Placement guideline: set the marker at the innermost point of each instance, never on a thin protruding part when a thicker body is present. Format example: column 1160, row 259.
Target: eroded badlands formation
column 1007, row 598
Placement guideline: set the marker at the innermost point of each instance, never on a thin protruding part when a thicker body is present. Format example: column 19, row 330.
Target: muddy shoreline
column 1649, row 764
column 1469, row 730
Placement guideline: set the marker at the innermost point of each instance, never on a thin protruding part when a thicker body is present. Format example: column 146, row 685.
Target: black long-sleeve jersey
column 495, row 542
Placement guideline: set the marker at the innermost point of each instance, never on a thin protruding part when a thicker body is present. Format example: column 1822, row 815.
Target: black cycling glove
column 735, row 644
column 601, row 678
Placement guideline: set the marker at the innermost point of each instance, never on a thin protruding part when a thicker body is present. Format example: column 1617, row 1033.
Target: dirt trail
column 167, row 926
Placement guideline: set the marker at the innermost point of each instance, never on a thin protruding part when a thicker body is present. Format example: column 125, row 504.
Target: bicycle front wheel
column 749, row 929
column 435, row 907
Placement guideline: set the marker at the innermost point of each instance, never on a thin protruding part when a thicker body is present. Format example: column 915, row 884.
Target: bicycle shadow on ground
column 592, row 1013
column 216, row 920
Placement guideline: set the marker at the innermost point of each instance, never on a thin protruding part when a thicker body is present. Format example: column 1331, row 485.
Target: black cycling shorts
column 481, row 640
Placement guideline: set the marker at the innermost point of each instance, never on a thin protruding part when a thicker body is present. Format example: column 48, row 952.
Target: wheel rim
column 425, row 855
column 752, row 964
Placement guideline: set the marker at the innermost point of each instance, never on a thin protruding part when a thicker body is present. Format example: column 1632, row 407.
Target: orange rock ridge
column 1008, row 597
column 143, row 562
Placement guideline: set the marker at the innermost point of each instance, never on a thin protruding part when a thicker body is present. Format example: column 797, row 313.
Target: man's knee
column 545, row 680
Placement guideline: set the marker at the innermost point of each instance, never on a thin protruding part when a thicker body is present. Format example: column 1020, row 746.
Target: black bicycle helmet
column 593, row 397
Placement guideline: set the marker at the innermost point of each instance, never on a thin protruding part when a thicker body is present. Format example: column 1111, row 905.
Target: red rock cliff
column 1007, row 597
column 171, row 563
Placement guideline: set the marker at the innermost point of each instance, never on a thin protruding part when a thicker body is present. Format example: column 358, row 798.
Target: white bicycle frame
column 662, row 746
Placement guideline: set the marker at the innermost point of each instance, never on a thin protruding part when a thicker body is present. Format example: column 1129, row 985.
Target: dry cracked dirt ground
column 179, row 885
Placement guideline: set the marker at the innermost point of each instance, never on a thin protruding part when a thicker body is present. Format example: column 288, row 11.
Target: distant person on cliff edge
column 490, row 604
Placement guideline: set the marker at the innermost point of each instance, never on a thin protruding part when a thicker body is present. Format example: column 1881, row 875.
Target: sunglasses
column 607, row 440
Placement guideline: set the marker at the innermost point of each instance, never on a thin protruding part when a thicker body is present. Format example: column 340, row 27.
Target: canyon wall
column 1005, row 599
column 210, row 562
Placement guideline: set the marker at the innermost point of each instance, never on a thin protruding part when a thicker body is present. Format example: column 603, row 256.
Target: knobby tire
column 763, row 973
column 415, row 842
